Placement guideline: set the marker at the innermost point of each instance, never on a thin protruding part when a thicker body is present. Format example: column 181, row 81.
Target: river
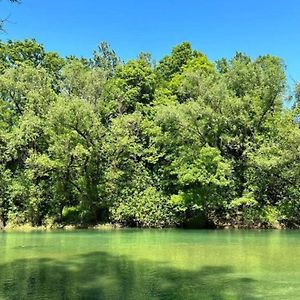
column 150, row 264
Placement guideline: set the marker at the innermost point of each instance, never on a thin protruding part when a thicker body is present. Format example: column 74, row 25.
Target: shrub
column 148, row 208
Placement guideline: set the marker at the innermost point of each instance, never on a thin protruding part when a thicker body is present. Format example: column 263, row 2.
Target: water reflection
column 99, row 275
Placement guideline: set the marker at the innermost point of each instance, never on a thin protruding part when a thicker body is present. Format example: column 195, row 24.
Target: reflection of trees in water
column 99, row 275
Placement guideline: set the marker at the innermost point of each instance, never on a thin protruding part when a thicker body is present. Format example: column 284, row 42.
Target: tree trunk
column 1, row 224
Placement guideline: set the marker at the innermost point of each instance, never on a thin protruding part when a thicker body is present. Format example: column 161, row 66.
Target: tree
column 106, row 59
column 84, row 141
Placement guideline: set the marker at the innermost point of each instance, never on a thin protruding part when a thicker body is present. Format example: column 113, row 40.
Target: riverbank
column 30, row 228
column 111, row 226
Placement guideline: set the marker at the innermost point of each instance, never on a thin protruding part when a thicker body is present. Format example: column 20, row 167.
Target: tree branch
column 3, row 21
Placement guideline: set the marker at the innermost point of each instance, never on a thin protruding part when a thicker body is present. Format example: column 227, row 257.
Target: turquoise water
column 150, row 264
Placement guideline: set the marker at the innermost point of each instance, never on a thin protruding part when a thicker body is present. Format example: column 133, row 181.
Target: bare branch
column 3, row 21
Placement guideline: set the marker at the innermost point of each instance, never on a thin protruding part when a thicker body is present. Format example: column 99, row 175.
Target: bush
column 71, row 214
column 148, row 208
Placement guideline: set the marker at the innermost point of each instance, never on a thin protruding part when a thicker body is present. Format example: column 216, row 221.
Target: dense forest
column 181, row 142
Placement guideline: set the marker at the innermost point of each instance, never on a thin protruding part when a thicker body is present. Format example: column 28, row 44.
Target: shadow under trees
column 99, row 275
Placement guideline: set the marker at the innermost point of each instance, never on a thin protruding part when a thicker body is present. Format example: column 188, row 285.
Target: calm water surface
column 150, row 264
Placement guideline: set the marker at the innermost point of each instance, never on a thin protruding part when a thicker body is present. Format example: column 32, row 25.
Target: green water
column 150, row 264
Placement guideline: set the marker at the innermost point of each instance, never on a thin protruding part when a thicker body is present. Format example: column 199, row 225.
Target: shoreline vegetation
column 27, row 227
column 184, row 142
column 109, row 226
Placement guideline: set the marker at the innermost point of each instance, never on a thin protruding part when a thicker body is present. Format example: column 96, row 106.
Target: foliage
column 84, row 141
column 149, row 208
